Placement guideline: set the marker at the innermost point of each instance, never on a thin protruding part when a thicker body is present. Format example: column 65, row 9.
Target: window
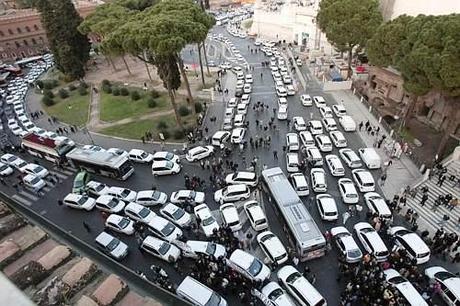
column 17, row 44
column 34, row 41
column 26, row 43
column 19, row 30
column 27, row 29
column 36, row 27
column 2, row 34
column 10, row 31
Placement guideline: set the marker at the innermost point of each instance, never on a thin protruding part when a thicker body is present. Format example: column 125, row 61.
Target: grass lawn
column 72, row 110
column 137, row 129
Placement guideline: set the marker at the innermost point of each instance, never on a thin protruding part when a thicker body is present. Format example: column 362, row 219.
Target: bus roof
column 97, row 157
column 40, row 140
column 293, row 209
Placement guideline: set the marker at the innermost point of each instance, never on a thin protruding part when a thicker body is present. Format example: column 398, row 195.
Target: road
column 324, row 268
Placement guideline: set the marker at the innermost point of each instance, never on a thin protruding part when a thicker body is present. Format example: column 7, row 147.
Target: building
column 21, row 32
column 394, row 8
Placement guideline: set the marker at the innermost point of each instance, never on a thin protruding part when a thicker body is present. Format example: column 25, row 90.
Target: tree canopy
column 69, row 47
column 424, row 49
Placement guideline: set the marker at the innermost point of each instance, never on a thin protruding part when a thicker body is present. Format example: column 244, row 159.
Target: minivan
column 370, row 157
column 198, row 294
column 220, row 138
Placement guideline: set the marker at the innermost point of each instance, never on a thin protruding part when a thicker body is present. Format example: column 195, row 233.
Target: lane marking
column 60, row 175
column 28, row 195
column 22, row 200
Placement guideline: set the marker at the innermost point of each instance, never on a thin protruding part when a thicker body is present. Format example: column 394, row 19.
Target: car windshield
column 35, row 180
column 397, row 280
column 443, row 275
column 144, row 155
column 214, row 299
column 208, row 221
column 210, row 248
column 156, row 195
column 82, row 200
column 354, row 253
column 125, row 193
column 124, row 222
column 168, row 229
column 144, row 212
column 3, row 167
column 169, row 156
column 164, row 248
column 255, row 267
column 178, row 213
column 275, row 294
column 113, row 244
column 112, row 203
column 37, row 169
column 293, row 277
column 99, row 187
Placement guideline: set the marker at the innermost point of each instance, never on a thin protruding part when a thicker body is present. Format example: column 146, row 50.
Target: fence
column 408, row 148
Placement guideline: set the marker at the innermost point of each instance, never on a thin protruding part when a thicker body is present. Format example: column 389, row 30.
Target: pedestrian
column 361, row 125
column 60, row 203
column 87, row 227
column 383, row 179
column 275, row 155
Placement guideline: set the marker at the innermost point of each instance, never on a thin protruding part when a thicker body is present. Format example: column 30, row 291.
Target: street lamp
column 84, row 128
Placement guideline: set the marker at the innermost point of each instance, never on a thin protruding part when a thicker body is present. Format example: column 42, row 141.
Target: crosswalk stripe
column 60, row 175
column 28, row 195
column 22, row 200
column 47, row 188
column 68, row 172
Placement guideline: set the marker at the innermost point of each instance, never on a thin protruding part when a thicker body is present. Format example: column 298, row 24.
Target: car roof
column 170, row 207
column 327, row 202
column 243, row 259
column 72, row 197
column 348, row 185
column 153, row 242
column 246, row 175
column 114, row 218
column 104, row 238
column 415, row 242
column 135, row 207
column 299, row 179
column 274, row 244
column 363, row 174
column 236, row 187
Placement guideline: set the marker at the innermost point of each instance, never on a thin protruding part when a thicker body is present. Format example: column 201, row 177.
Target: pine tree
column 69, row 47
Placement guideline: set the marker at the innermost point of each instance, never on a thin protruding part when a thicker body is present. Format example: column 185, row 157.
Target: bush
column 83, row 85
column 124, row 91
column 162, row 125
column 151, row 102
column 48, row 93
column 106, row 88
column 47, row 101
column 82, row 91
column 39, row 83
column 106, row 83
column 183, row 111
column 72, row 87
column 116, row 91
column 198, row 107
column 63, row 93
column 178, row 134
column 135, row 95
column 154, row 94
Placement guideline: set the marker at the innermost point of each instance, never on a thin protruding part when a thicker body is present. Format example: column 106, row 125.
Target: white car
column 347, row 246
column 318, row 180
column 176, row 215
column 371, row 241
column 34, row 182
column 232, row 193
column 338, row 139
column 35, row 169
column 324, row 143
column 240, row 83
column 139, row 213
column 329, row 124
column 415, row 247
column 277, row 295
column 109, row 204
column 282, row 113
column 350, row 158
column 79, row 201
column 248, row 79
column 112, row 246
column 5, row 169
column 230, row 216
column 248, row 265
column 140, row 156
column 335, row 165
column 299, row 124
column 287, row 79
column 245, row 99
column 348, row 191
column 225, row 65
column 307, row 139
column 120, row 224
column 194, row 248
column 272, row 247
column 347, row 123
column 292, row 142
column 449, row 282
column 247, row 88
column 161, row 249
column 233, row 102
column 306, row 100
column 327, row 207
column 315, row 127
column 325, row 112
column 199, row 152
column 151, row 197
column 363, row 179
column 405, row 288
column 121, row 193
column 168, row 156
column 93, row 148
column 239, row 120
column 292, row 162
column 164, row 229
column 299, row 287
column 377, row 205
column 299, row 62
column 282, row 101
column 96, row 189
column 281, row 91
column 8, row 158
column 241, row 108
column 238, row 135
column 339, row 110
column 290, row 90
column 256, row 215
column 242, row 177
column 299, row 183
column 17, row 130
column 208, row 223
column 319, row 101
column 163, row 167
column 191, row 196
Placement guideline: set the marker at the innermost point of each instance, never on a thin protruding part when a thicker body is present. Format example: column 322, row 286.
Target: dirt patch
column 31, row 274
column 9, row 252
column 86, row 301
column 53, row 294
column 56, row 257
column 112, row 290
column 4, row 210
column 9, row 224
column 79, row 275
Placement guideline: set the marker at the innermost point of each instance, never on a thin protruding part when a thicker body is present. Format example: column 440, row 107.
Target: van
column 314, row 156
column 220, row 138
column 370, row 157
column 198, row 294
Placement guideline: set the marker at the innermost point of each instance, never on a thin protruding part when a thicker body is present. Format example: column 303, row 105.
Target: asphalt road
column 325, row 268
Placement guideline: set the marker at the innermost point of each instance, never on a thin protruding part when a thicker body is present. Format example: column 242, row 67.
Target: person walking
column 87, row 227
column 424, row 199
column 361, row 125
column 275, row 155
column 383, row 178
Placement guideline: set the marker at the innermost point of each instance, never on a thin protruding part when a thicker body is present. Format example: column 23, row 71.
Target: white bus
column 300, row 228
column 101, row 162
column 44, row 147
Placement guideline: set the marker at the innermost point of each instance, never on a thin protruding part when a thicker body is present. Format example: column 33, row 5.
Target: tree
column 426, row 51
column 69, row 47
column 349, row 23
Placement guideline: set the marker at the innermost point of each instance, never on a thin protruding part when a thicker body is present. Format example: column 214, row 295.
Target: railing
column 164, row 296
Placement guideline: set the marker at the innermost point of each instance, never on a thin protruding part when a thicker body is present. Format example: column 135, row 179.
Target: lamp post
column 84, row 128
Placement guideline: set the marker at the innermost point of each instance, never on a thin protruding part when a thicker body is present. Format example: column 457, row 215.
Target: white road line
column 28, row 195
column 60, row 175
column 47, row 188
column 22, row 200
column 68, row 172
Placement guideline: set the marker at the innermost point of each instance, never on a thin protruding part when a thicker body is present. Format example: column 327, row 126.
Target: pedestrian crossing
column 28, row 196
column 432, row 216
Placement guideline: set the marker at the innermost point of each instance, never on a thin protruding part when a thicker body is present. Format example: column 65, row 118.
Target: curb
column 138, row 141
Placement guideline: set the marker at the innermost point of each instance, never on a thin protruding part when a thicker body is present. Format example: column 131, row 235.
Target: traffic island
column 111, row 291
